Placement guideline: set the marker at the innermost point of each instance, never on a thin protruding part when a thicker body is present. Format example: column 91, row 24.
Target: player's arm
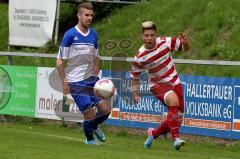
column 136, row 71
column 63, row 54
column 97, row 62
column 177, row 44
column 61, row 71
column 96, row 65
column 135, row 89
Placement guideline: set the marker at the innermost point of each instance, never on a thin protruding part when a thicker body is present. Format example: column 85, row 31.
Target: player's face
column 149, row 38
column 85, row 16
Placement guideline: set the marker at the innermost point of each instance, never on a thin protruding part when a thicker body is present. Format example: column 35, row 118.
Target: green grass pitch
column 24, row 141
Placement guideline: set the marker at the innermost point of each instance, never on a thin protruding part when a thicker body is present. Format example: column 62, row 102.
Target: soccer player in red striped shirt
column 154, row 56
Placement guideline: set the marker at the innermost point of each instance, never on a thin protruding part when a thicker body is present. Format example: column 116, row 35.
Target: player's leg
column 173, row 119
column 89, row 124
column 154, row 133
column 80, row 94
column 178, row 89
column 158, row 91
column 162, row 129
column 171, row 100
column 102, row 113
column 104, row 110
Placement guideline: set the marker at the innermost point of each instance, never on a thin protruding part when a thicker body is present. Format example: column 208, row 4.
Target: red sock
column 173, row 121
column 162, row 129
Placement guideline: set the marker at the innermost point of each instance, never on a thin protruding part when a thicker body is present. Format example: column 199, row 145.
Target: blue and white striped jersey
column 79, row 50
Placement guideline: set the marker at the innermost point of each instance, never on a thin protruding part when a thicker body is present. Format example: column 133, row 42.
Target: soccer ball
column 104, row 88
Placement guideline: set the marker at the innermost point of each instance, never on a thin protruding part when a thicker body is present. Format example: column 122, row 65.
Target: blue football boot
column 91, row 142
column 99, row 134
column 148, row 142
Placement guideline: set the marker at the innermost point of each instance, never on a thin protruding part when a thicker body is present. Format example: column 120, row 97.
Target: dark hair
column 86, row 5
column 148, row 25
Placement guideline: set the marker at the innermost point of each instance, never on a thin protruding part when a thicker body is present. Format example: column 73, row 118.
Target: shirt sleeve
column 173, row 43
column 64, row 49
column 95, row 41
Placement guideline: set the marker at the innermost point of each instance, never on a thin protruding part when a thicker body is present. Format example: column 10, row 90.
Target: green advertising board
column 18, row 90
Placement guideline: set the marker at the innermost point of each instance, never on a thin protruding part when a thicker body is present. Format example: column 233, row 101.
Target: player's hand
column 68, row 99
column 95, row 70
column 183, row 38
column 136, row 98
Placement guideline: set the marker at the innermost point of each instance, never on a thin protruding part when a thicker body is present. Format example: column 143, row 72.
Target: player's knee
column 105, row 107
column 171, row 99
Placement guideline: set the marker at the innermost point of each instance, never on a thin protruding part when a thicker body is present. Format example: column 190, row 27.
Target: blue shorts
column 83, row 93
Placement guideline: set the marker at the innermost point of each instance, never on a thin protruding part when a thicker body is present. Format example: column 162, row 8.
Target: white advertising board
column 49, row 97
column 31, row 22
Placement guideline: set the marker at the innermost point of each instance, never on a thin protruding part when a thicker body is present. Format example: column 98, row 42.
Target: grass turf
column 21, row 141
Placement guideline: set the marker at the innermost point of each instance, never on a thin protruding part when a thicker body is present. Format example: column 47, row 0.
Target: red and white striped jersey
column 158, row 62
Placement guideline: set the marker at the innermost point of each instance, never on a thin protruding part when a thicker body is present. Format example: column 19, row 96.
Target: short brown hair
column 148, row 25
column 86, row 5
